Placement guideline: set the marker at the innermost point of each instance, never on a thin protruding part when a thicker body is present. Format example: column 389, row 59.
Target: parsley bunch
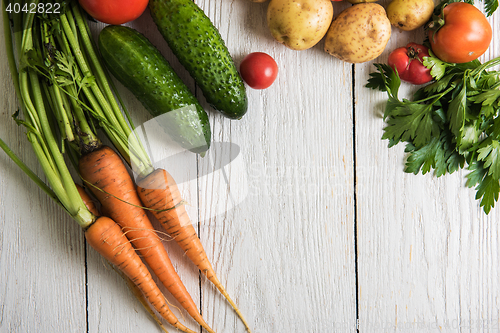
column 450, row 124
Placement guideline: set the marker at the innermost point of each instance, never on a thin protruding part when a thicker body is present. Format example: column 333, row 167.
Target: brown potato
column 409, row 15
column 360, row 33
column 299, row 24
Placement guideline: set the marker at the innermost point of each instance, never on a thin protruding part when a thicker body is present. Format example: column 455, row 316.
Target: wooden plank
column 428, row 256
column 42, row 267
column 287, row 250
column 282, row 240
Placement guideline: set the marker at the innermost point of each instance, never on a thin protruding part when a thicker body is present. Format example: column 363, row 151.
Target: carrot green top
column 64, row 94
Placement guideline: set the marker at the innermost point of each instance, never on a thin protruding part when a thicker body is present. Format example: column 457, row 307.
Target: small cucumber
column 201, row 50
column 141, row 68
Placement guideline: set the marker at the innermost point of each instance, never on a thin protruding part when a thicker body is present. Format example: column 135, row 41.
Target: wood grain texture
column 42, row 261
column 427, row 254
column 287, row 250
column 321, row 228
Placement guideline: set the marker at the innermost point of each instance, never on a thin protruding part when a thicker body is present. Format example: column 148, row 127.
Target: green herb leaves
column 490, row 6
column 449, row 123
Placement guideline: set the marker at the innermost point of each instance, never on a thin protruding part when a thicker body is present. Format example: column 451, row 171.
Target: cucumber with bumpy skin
column 201, row 50
column 141, row 68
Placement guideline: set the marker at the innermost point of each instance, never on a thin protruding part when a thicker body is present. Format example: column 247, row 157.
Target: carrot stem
column 125, row 141
column 99, row 72
column 36, row 99
column 9, row 47
column 136, row 151
column 29, row 172
column 40, row 132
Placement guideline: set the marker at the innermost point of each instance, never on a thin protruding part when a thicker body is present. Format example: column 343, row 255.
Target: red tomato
column 114, row 11
column 258, row 70
column 465, row 35
column 408, row 61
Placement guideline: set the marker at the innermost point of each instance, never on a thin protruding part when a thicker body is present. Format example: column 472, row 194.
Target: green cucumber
column 142, row 69
column 201, row 50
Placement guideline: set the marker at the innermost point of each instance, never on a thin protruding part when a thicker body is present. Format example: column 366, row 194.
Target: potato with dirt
column 409, row 15
column 359, row 33
column 299, row 24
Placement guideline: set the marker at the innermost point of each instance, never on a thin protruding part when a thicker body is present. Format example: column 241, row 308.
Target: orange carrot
column 140, row 296
column 89, row 203
column 111, row 183
column 158, row 192
column 87, row 200
column 107, row 238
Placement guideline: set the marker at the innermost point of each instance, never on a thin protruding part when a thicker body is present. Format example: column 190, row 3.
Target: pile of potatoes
column 358, row 34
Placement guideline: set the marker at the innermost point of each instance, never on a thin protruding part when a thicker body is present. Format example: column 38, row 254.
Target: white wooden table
column 331, row 233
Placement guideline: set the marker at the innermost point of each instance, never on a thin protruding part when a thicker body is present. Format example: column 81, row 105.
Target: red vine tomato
column 408, row 61
column 461, row 34
column 258, row 70
column 114, row 11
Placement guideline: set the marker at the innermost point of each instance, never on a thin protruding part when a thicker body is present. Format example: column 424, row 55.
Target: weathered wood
column 427, row 254
column 42, row 259
column 321, row 228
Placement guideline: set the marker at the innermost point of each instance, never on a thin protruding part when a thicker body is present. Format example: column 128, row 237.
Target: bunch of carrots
column 65, row 95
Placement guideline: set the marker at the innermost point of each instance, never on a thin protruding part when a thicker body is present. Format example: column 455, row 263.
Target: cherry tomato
column 258, row 70
column 464, row 36
column 114, row 11
column 408, row 61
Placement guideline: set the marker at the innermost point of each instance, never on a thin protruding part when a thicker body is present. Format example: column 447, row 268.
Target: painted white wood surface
column 319, row 182
column 427, row 255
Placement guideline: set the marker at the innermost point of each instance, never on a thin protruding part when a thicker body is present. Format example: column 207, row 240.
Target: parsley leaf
column 487, row 191
column 489, row 153
column 490, row 6
column 438, row 86
column 436, row 65
column 476, row 174
column 421, row 159
column 438, row 154
column 457, row 112
column 449, row 123
column 487, row 98
column 386, row 79
column 411, row 122
column 487, row 188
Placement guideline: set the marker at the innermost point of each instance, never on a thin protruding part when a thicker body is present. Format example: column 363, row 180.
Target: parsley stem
column 436, row 97
column 490, row 63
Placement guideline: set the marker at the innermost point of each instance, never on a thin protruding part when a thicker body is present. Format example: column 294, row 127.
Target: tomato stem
column 437, row 21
